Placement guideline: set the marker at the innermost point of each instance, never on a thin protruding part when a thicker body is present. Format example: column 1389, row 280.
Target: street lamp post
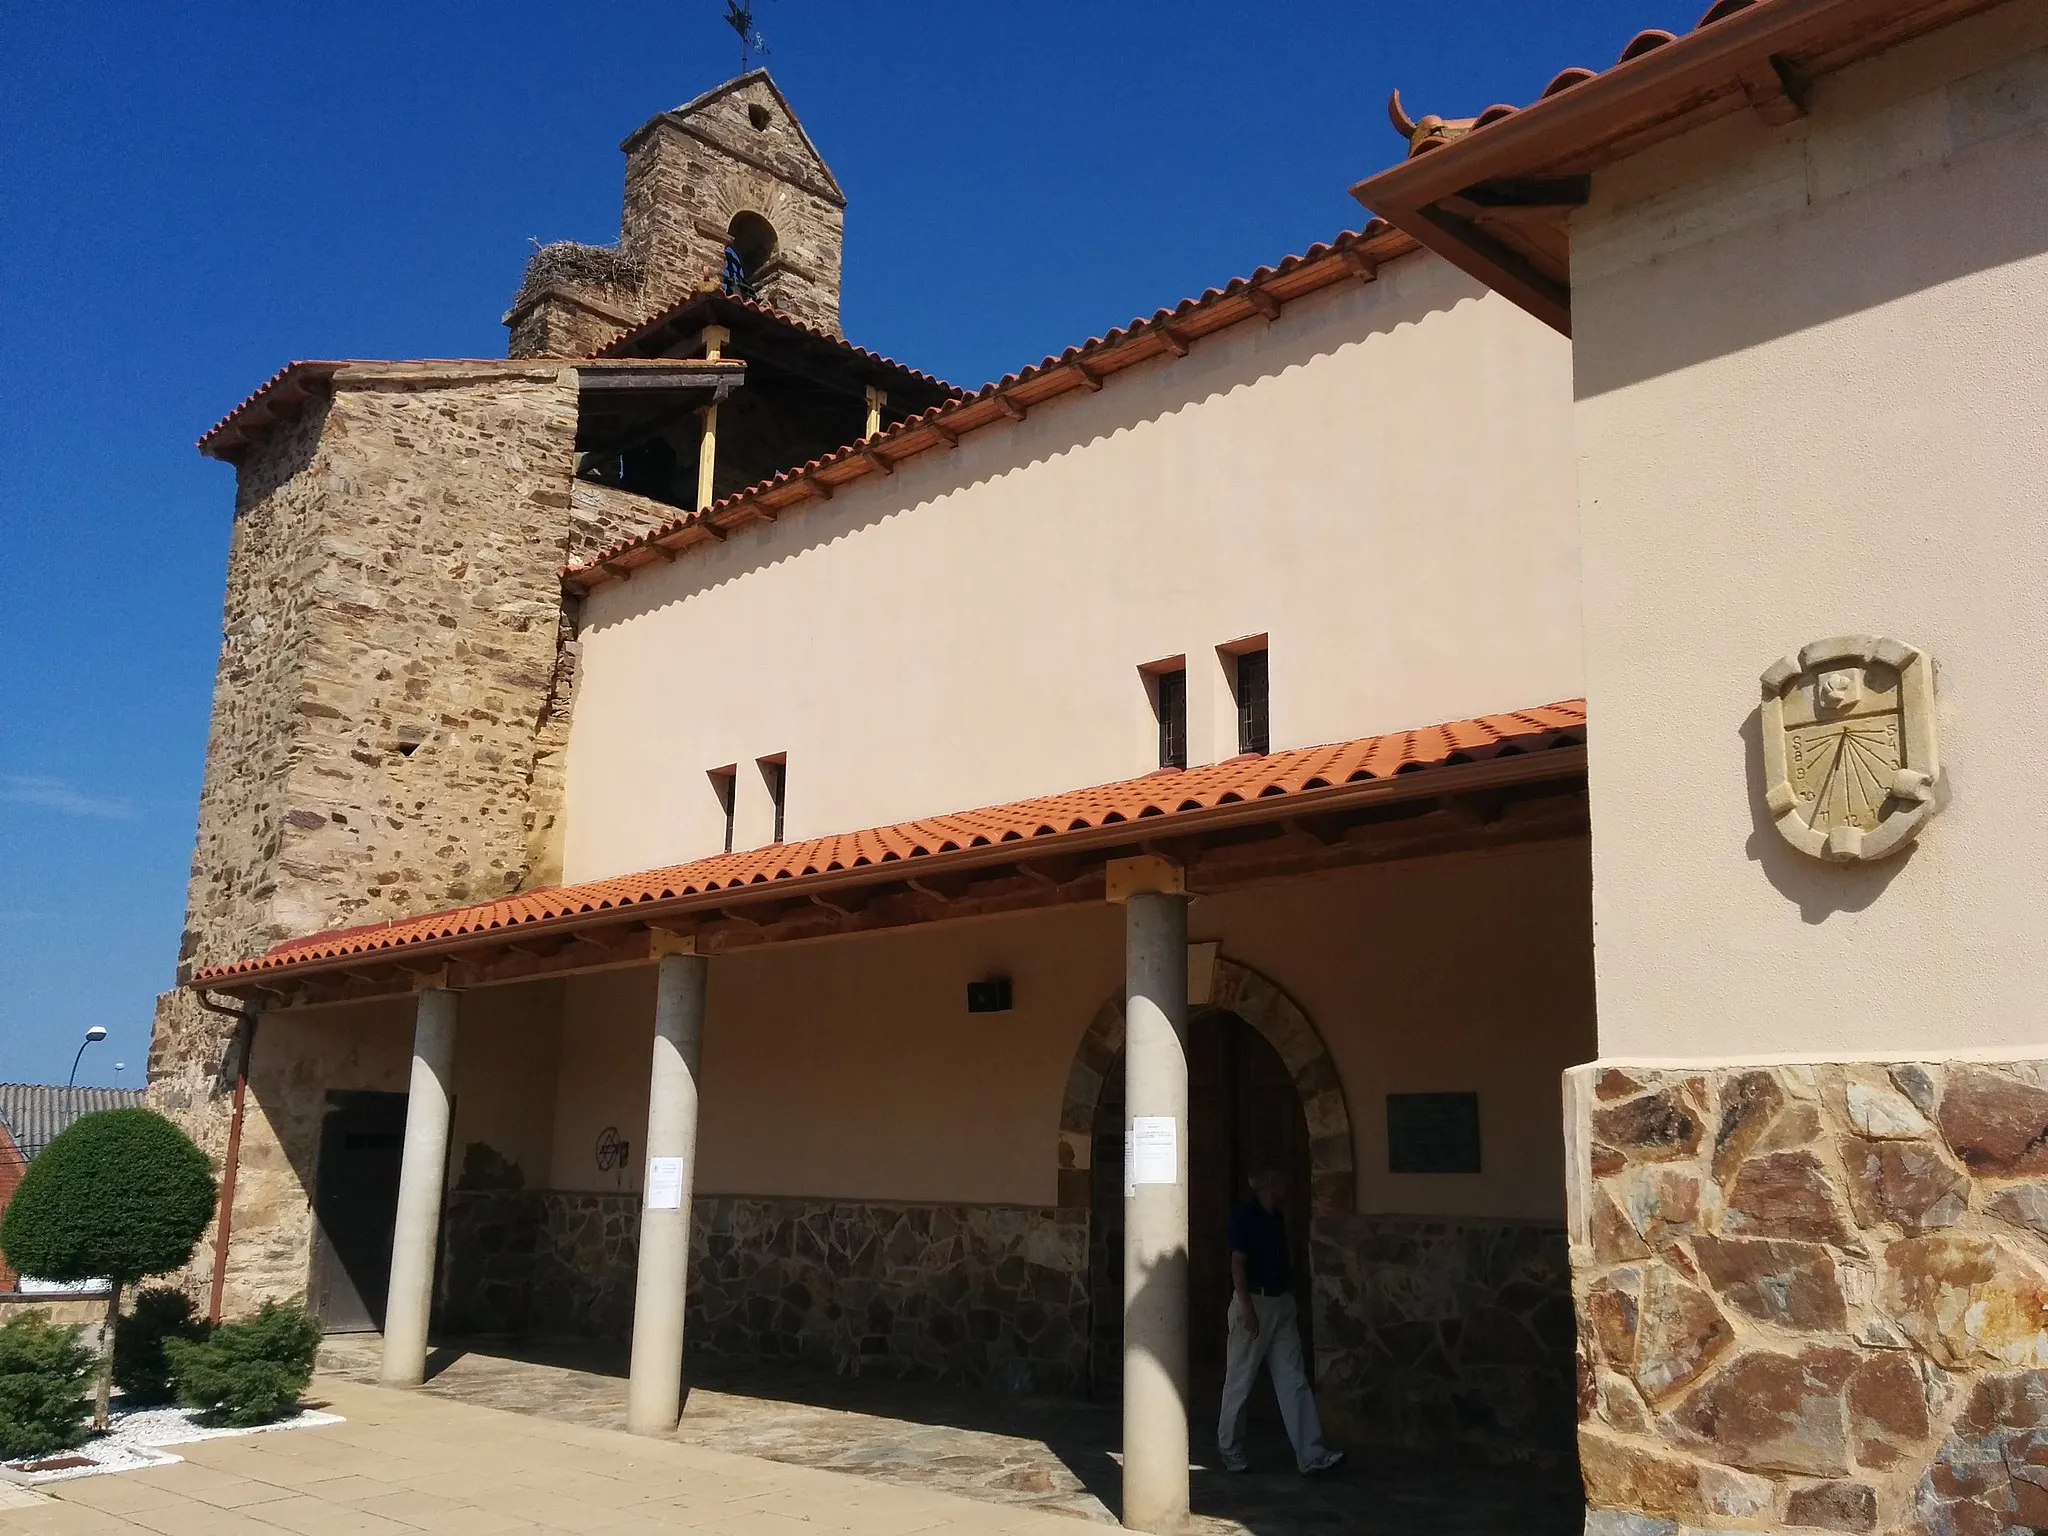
column 93, row 1036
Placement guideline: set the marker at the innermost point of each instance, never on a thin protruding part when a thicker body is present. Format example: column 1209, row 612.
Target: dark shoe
column 1329, row 1461
column 1233, row 1464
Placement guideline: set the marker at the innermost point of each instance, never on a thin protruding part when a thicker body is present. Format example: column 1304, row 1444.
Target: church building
column 717, row 839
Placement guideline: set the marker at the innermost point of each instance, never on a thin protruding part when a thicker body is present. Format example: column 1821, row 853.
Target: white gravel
column 138, row 1439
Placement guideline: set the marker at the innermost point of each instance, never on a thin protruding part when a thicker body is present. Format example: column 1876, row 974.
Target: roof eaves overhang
column 632, row 933
column 1463, row 195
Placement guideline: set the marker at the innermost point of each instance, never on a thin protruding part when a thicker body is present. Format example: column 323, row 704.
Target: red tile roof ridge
column 1765, row 33
column 1376, row 232
column 1431, row 132
column 1205, row 787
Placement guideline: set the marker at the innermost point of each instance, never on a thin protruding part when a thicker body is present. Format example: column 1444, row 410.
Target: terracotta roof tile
column 1431, row 132
column 1811, row 36
column 622, row 344
column 1160, row 795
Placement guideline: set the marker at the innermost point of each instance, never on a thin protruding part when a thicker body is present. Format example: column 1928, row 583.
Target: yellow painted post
column 715, row 338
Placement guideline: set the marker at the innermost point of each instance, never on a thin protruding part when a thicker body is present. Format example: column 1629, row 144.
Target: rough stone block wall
column 569, row 321
column 1445, row 1338
column 685, row 185
column 1812, row 1296
column 689, row 174
column 389, row 713
column 974, row 1295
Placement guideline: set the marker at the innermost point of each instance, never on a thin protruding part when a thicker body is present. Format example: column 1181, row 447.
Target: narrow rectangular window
column 778, row 784
column 1254, row 721
column 1173, row 717
column 727, row 785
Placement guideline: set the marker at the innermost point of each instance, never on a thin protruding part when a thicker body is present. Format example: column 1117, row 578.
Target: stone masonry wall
column 390, row 708
column 976, row 1295
column 689, row 173
column 1812, row 1297
column 1446, row 1338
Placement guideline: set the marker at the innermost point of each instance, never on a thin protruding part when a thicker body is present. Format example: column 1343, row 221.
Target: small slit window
column 1254, row 716
column 775, row 771
column 1170, row 693
column 725, row 784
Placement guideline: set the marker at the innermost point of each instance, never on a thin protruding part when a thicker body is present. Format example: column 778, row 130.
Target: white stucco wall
column 1812, row 398
column 1380, row 481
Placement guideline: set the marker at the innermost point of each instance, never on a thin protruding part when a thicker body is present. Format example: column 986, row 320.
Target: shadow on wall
column 1149, row 392
column 1773, row 278
column 1819, row 888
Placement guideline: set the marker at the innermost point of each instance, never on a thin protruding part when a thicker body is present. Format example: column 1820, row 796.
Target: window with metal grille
column 725, row 783
column 1254, row 718
column 777, row 774
column 1172, row 690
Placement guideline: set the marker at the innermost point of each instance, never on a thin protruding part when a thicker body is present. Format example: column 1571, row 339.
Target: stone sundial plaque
column 1850, row 763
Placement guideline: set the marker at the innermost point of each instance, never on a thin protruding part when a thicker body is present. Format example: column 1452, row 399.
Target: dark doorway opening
column 1244, row 1114
column 355, row 1206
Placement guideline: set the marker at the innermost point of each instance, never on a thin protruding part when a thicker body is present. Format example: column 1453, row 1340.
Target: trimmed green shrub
column 141, row 1369
column 117, row 1195
column 44, row 1374
column 249, row 1372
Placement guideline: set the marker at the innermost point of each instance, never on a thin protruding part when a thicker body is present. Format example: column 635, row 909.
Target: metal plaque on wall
column 1433, row 1133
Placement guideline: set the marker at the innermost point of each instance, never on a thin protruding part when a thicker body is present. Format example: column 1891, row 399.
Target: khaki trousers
column 1278, row 1344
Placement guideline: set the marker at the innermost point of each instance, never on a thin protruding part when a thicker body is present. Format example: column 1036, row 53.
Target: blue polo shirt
column 1261, row 1236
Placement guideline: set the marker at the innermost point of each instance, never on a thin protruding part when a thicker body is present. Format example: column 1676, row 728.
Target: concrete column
column 654, row 1390
column 1156, row 1211
column 420, row 1177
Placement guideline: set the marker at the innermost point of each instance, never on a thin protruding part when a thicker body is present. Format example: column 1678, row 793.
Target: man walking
column 1263, row 1330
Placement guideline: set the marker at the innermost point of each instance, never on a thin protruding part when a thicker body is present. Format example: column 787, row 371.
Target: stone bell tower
column 724, row 191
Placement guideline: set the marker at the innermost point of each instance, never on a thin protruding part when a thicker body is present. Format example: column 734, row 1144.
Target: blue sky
column 192, row 195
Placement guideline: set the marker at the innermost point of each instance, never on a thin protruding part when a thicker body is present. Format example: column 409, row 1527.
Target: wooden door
column 1244, row 1114
column 355, row 1207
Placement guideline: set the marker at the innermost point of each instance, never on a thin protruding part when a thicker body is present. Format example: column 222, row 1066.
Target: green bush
column 249, row 1372
column 141, row 1369
column 44, row 1373
column 117, row 1195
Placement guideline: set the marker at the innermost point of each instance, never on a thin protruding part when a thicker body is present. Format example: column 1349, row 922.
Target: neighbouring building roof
column 1350, row 257
column 1283, row 780
column 1491, row 193
column 35, row 1112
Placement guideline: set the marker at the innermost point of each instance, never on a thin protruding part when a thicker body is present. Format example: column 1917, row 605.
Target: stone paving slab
column 1028, row 1454
column 407, row 1462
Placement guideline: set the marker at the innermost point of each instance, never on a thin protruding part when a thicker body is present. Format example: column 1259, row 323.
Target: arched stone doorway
column 1245, row 1028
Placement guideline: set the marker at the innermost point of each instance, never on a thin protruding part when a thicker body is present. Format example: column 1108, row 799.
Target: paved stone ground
column 407, row 1462
column 1034, row 1454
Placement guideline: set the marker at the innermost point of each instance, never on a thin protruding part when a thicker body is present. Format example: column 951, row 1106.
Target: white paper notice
column 1155, row 1150
column 664, row 1183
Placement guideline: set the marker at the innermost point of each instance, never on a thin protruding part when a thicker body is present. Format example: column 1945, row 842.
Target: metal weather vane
column 741, row 19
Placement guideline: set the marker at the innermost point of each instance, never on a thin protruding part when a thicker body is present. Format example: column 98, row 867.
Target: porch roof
column 1487, row 779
